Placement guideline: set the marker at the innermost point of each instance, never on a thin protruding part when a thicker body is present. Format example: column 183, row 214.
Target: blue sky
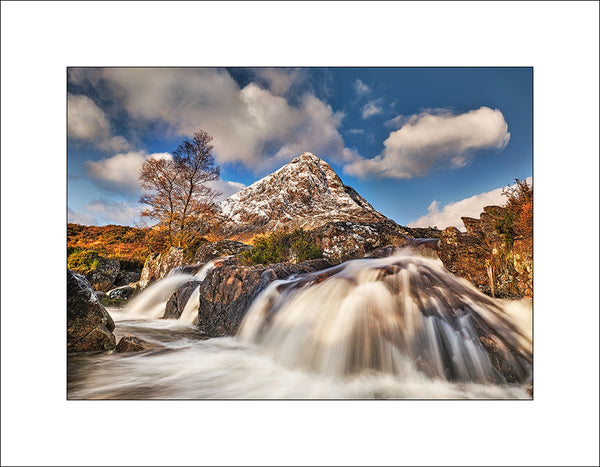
column 423, row 145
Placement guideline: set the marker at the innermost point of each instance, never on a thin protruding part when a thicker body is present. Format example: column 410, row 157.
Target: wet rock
column 227, row 292
column 89, row 326
column 176, row 304
column 133, row 344
column 343, row 241
column 158, row 265
column 120, row 293
column 104, row 275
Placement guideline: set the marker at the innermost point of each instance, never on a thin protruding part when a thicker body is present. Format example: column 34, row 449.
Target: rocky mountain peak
column 305, row 193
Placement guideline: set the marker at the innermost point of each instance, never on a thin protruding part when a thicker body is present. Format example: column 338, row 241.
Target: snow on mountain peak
column 305, row 193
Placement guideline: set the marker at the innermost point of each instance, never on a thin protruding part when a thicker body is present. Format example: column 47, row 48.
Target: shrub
column 279, row 247
column 518, row 220
column 83, row 262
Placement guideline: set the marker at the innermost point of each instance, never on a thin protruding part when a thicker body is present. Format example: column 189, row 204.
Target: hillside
column 127, row 244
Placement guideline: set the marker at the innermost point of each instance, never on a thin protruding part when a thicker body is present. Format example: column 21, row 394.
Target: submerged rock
column 227, row 292
column 133, row 344
column 89, row 326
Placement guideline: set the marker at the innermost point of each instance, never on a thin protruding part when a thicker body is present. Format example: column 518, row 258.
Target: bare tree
column 178, row 196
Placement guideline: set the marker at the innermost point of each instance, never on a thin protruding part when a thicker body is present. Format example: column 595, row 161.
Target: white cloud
column 430, row 140
column 114, row 212
column 251, row 125
column 120, row 172
column 225, row 187
column 278, row 80
column 87, row 122
column 356, row 131
column 370, row 109
column 451, row 213
column 361, row 88
column 76, row 217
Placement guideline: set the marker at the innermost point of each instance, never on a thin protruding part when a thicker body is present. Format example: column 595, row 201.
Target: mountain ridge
column 305, row 193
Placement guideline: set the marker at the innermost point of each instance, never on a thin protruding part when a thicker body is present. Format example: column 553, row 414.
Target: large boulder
column 344, row 241
column 483, row 256
column 227, row 292
column 89, row 326
column 104, row 275
column 213, row 250
column 158, row 265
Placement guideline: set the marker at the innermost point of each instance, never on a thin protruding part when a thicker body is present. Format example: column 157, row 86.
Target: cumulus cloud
column 371, row 108
column 361, row 88
column 430, row 140
column 279, row 81
column 87, row 122
column 451, row 213
column 225, row 187
column 253, row 125
column 119, row 173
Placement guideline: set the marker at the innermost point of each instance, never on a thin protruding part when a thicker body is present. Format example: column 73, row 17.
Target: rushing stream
column 396, row 327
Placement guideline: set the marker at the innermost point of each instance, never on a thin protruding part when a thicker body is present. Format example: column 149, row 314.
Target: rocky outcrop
column 89, row 326
column 213, row 250
column 227, row 292
column 305, row 193
column 158, row 265
column 178, row 300
column 104, row 274
column 484, row 257
column 133, row 344
column 343, row 241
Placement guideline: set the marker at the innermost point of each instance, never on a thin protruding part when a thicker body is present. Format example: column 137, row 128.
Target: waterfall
column 389, row 315
column 201, row 274
column 150, row 304
column 190, row 311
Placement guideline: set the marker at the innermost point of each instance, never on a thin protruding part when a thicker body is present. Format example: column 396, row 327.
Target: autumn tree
column 177, row 192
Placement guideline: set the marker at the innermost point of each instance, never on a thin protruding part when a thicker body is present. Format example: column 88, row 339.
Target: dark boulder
column 213, row 250
column 104, row 275
column 89, row 326
column 126, row 278
column 227, row 292
column 133, row 344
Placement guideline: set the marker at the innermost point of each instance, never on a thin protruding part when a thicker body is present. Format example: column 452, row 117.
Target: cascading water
column 394, row 327
column 379, row 314
column 150, row 304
